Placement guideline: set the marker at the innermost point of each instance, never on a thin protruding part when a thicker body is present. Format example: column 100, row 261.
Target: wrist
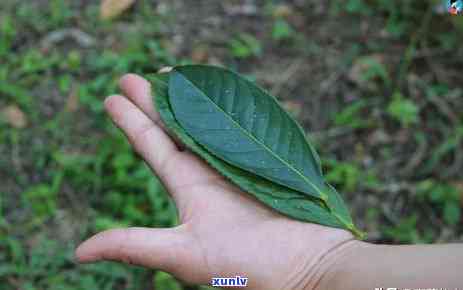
column 333, row 270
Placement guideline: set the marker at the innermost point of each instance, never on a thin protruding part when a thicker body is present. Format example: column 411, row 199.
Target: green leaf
column 338, row 208
column 245, row 45
column 163, row 280
column 329, row 210
column 452, row 212
column 243, row 125
column 404, row 110
column 284, row 200
column 281, row 30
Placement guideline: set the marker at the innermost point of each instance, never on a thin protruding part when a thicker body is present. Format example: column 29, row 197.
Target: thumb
column 163, row 249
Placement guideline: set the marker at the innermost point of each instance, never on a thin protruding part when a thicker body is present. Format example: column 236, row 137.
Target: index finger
column 138, row 90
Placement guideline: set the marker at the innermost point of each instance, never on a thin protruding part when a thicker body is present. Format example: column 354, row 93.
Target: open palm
column 223, row 232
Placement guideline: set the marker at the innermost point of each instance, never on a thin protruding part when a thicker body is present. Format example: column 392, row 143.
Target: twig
column 408, row 57
column 81, row 38
column 285, row 76
column 444, row 108
column 330, row 133
column 417, row 158
column 435, row 70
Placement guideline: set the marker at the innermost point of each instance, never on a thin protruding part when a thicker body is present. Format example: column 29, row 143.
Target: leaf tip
column 360, row 235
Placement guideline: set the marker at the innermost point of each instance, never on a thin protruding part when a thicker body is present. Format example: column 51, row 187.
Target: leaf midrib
column 323, row 196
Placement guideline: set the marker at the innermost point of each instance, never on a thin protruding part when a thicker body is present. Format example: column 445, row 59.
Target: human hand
column 223, row 231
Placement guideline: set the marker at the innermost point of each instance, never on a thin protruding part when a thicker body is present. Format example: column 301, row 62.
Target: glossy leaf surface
column 243, row 125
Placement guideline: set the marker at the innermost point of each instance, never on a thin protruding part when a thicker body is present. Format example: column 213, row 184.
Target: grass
column 376, row 82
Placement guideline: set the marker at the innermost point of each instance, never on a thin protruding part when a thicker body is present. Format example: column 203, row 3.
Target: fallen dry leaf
column 14, row 116
column 282, row 11
column 72, row 103
column 362, row 65
column 110, row 9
